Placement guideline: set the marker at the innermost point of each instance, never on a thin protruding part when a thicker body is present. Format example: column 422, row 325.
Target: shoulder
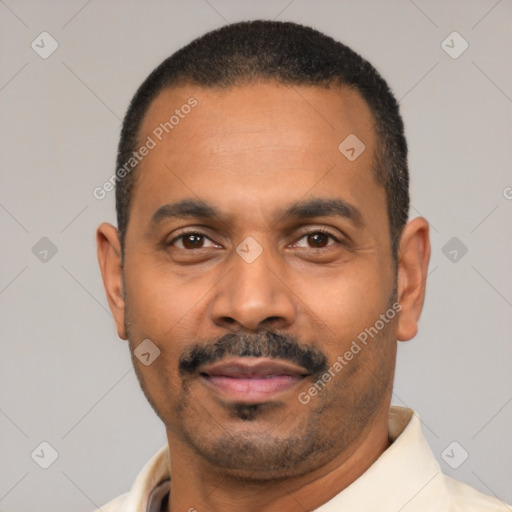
column 156, row 470
column 465, row 498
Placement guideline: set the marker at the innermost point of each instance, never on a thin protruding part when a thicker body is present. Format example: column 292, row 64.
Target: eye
column 319, row 238
column 191, row 240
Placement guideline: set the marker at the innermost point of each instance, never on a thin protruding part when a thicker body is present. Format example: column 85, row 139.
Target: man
column 262, row 272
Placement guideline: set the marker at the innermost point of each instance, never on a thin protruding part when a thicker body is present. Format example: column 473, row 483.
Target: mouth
column 252, row 379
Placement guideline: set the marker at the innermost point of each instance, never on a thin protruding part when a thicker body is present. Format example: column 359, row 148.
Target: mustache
column 266, row 344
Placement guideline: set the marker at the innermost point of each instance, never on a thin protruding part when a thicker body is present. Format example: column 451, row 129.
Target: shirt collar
column 405, row 477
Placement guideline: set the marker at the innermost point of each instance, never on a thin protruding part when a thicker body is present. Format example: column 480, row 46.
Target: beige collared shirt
column 405, row 478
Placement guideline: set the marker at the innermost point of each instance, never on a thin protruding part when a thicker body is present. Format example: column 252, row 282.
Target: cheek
column 161, row 310
column 161, row 383
column 159, row 302
column 349, row 300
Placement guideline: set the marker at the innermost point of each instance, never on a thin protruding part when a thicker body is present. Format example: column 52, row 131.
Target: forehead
column 287, row 112
column 260, row 143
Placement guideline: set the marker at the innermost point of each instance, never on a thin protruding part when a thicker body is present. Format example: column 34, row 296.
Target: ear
column 413, row 258
column 109, row 258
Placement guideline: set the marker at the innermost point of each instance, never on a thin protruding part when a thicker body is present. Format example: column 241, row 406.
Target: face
column 258, row 263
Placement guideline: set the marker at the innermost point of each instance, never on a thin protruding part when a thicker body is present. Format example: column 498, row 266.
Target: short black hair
column 286, row 53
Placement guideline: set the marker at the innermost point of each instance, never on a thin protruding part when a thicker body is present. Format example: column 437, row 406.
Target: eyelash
column 313, row 232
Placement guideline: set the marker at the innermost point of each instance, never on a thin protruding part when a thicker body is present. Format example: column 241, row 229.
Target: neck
column 196, row 485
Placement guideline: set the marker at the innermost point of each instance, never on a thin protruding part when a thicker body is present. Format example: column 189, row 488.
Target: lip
column 252, row 379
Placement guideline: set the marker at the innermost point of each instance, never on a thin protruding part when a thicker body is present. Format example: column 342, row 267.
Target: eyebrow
column 305, row 209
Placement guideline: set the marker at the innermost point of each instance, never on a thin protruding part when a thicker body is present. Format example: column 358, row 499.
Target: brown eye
column 317, row 240
column 190, row 241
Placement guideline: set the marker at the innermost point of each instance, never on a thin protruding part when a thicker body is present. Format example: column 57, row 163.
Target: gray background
column 65, row 376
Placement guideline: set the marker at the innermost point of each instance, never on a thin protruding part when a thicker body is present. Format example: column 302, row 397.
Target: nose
column 254, row 295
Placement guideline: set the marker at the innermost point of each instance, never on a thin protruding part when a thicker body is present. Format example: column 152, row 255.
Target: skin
column 250, row 150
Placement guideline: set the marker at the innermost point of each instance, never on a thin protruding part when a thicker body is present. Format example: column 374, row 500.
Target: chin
column 253, row 450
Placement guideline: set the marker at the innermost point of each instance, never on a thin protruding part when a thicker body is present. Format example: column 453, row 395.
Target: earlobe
column 413, row 259
column 111, row 266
